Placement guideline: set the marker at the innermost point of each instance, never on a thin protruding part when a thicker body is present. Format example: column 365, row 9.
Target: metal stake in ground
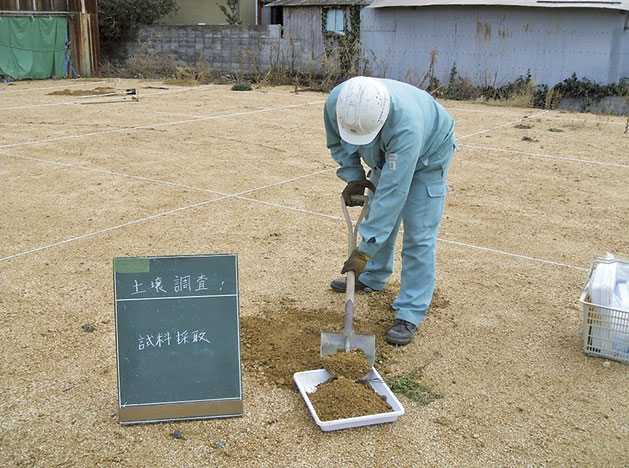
column 332, row 342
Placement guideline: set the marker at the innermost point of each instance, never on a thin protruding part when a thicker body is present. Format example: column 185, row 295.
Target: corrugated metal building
column 495, row 42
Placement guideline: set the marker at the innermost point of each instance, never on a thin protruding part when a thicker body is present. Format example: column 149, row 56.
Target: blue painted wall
column 496, row 45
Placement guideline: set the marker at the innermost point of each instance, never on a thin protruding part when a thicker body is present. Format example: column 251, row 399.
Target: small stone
column 220, row 444
column 177, row 434
column 88, row 327
column 607, row 364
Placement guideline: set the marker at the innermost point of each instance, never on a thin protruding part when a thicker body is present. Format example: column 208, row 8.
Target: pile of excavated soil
column 83, row 92
column 285, row 337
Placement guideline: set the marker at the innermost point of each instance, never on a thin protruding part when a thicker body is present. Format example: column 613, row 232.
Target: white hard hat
column 362, row 108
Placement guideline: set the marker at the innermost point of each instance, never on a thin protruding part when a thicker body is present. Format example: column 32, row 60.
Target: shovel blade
column 332, row 343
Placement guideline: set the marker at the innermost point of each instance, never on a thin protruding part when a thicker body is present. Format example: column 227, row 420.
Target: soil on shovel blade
column 352, row 365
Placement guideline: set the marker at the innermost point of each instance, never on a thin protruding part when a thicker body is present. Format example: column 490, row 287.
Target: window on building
column 335, row 20
column 277, row 15
column 273, row 15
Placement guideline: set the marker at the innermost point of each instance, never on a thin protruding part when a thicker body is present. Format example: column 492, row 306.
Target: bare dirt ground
column 535, row 197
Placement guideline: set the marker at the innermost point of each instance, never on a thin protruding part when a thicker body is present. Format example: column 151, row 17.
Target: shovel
column 332, row 342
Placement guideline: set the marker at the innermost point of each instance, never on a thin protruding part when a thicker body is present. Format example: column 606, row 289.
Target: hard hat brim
column 355, row 138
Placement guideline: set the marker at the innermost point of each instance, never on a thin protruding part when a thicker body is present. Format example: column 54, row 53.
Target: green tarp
column 32, row 47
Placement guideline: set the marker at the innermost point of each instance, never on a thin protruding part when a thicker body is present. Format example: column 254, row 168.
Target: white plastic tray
column 307, row 382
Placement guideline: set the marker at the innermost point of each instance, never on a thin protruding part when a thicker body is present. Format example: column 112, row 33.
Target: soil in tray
column 345, row 395
column 343, row 398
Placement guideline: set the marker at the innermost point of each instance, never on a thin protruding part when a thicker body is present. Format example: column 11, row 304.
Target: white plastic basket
column 307, row 382
column 605, row 329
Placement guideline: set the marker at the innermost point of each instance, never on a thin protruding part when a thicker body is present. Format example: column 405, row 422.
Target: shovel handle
column 351, row 228
column 350, row 282
column 349, row 310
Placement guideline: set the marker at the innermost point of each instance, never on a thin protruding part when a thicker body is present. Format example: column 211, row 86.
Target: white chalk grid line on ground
column 548, row 156
column 237, row 195
column 155, row 125
column 79, row 103
column 28, row 90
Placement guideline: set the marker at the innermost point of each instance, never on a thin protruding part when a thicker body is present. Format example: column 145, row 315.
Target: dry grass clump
column 284, row 68
column 140, row 65
column 519, row 99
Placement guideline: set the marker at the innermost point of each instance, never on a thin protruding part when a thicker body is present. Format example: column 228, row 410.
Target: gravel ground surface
column 535, row 196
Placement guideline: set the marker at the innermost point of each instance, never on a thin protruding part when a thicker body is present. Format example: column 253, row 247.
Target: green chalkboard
column 177, row 337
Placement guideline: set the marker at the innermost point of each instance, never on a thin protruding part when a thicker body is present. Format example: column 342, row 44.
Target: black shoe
column 340, row 284
column 401, row 333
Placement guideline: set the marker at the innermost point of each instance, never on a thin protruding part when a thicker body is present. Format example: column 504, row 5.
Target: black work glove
column 356, row 262
column 356, row 187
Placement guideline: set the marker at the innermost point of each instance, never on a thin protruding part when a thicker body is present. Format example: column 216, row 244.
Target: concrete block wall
column 227, row 48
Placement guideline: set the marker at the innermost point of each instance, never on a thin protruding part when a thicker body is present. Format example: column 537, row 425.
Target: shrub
column 242, row 86
column 460, row 88
column 589, row 92
column 119, row 20
column 231, row 11
column 523, row 92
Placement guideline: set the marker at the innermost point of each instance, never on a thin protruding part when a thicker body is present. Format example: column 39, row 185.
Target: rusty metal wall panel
column 9, row 5
column 95, row 39
column 91, row 6
column 496, row 45
column 84, row 36
column 34, row 5
column 85, row 42
column 44, row 5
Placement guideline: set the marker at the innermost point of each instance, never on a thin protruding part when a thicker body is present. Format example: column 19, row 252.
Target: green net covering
column 32, row 47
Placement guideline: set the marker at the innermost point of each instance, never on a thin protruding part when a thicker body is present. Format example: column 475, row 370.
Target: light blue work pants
column 421, row 214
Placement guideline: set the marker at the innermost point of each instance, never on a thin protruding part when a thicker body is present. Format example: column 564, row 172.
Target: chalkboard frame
column 206, row 406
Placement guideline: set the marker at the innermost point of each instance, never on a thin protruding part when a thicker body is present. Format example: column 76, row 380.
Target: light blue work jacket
column 418, row 131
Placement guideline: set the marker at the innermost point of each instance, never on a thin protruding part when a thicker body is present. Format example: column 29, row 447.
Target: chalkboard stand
column 177, row 338
column 179, row 411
